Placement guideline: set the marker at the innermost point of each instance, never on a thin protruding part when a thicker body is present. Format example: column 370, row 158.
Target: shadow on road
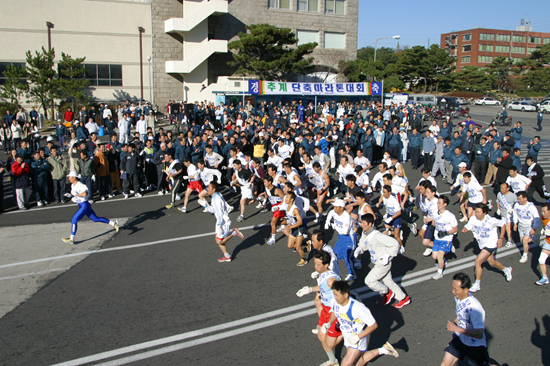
column 541, row 339
column 132, row 226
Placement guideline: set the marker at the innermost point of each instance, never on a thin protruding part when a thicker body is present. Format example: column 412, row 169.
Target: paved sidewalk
column 23, row 270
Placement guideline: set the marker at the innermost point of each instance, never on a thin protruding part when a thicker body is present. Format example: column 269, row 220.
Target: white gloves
column 68, row 195
column 352, row 338
column 357, row 253
column 186, row 177
column 275, row 208
column 324, row 328
column 303, row 291
column 388, row 220
column 384, row 260
column 314, row 275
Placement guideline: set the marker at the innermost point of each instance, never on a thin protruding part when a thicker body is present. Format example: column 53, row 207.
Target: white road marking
column 35, row 273
column 411, row 280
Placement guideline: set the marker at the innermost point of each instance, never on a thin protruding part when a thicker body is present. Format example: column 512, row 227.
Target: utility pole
column 50, row 26
column 141, row 30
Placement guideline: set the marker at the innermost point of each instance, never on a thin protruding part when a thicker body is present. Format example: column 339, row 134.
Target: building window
column 486, row 47
column 503, row 38
column 547, row 41
column 279, row 4
column 104, row 75
column 467, row 48
column 531, row 49
column 465, row 59
column 335, row 40
column 4, row 67
column 485, row 59
column 515, row 60
column 502, row 49
column 467, row 37
column 486, row 37
column 518, row 49
column 335, row 6
column 535, row 40
column 518, row 39
column 305, row 36
column 308, row 5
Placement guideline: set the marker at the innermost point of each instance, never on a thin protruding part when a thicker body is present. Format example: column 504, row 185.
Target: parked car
column 528, row 100
column 545, row 106
column 461, row 101
column 486, row 101
column 522, row 106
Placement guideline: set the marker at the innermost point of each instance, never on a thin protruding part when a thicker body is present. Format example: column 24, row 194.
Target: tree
column 501, row 68
column 41, row 77
column 537, row 80
column 71, row 81
column 16, row 85
column 473, row 78
column 412, row 68
column 269, row 53
column 440, row 64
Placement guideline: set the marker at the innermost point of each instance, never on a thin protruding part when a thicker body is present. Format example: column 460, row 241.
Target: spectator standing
column 58, row 169
column 21, row 171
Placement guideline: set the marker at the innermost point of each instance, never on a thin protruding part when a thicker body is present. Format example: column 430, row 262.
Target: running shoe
column 464, row 219
column 224, row 259
column 102, row 198
column 453, row 249
column 413, row 228
column 125, row 196
column 316, row 219
column 302, row 262
column 308, row 246
column 281, row 228
column 490, row 204
column 271, row 241
column 39, row 204
column 427, row 252
column 508, row 273
column 391, row 351
column 238, row 233
column 330, row 363
column 509, row 244
column 315, row 331
column 437, row 276
column 400, row 304
column 475, row 287
column 388, row 297
column 68, row 240
column 240, row 218
column 178, row 197
column 181, row 209
column 115, row 225
column 264, row 210
column 524, row 258
column 542, row 281
column 138, row 195
column 401, row 250
column 170, row 205
column 160, row 193
column 401, row 235
column 350, row 277
column 259, row 205
column 229, row 209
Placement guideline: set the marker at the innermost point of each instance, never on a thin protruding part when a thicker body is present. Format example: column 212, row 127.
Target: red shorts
column 196, row 186
column 280, row 214
column 334, row 330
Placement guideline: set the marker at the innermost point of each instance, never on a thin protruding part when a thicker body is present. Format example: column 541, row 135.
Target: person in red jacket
column 69, row 115
column 21, row 171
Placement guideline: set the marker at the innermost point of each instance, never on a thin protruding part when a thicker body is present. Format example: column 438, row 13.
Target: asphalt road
column 163, row 299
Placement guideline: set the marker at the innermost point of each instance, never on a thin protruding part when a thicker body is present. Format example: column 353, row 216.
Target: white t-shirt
column 285, row 151
column 392, row 205
column 333, row 266
column 445, row 222
column 470, row 315
column 78, row 188
column 363, row 162
column 430, row 179
column 485, row 231
column 525, row 214
column 431, row 207
column 475, row 194
column 518, row 183
column 354, row 317
column 343, row 172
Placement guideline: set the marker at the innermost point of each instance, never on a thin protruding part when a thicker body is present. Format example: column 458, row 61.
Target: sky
column 421, row 21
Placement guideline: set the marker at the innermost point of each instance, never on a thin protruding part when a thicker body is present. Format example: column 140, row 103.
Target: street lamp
column 150, row 95
column 376, row 42
column 141, row 30
column 50, row 27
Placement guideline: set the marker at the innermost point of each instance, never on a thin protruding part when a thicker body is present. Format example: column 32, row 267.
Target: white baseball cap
column 74, row 174
column 462, row 165
column 339, row 203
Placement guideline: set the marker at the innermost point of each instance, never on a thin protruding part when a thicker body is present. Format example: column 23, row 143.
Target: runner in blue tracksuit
column 342, row 222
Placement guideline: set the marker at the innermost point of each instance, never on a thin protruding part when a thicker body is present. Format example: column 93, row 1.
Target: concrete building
column 185, row 41
column 480, row 46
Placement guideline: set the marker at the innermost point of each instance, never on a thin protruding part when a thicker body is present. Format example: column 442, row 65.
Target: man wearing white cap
column 79, row 193
column 341, row 221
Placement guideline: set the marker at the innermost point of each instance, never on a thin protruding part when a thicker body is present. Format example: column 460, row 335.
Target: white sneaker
column 475, row 287
column 317, row 217
column 498, row 211
column 131, row 191
column 508, row 274
column 401, row 250
column 111, row 195
column 240, row 218
column 271, row 241
column 453, row 249
column 229, row 209
column 509, row 244
column 102, row 198
column 39, row 204
column 315, row 331
column 401, row 235
column 182, row 209
column 464, row 219
column 138, row 195
column 437, row 276
column 178, row 197
column 490, row 204
column 125, row 196
column 160, row 193
column 350, row 277
column 413, row 228
column 259, row 205
column 427, row 252
column 524, row 258
column 391, row 351
column 281, row 228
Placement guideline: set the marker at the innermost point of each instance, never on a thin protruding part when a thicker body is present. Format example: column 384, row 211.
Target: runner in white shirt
column 505, row 202
column 293, row 178
column 517, row 182
column 211, row 158
column 445, row 227
column 392, row 218
column 484, row 228
column 356, row 323
column 476, row 194
column 526, row 221
column 341, row 221
column 378, row 177
column 322, row 185
column 468, row 327
column 426, row 176
column 427, row 233
column 363, row 180
column 274, row 160
column 361, row 160
column 218, row 207
column 285, row 151
column 275, row 196
column 206, row 175
column 344, row 169
column 193, row 184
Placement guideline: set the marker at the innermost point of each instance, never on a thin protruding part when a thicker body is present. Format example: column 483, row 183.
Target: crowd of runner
column 289, row 160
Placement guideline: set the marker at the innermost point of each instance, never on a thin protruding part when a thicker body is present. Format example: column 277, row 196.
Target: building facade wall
column 82, row 28
column 500, row 45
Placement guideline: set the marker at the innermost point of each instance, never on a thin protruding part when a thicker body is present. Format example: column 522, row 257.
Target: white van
column 423, row 99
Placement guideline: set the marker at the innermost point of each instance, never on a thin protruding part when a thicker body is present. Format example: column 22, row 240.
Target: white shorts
column 506, row 216
column 361, row 345
column 524, row 230
column 223, row 231
column 246, row 193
